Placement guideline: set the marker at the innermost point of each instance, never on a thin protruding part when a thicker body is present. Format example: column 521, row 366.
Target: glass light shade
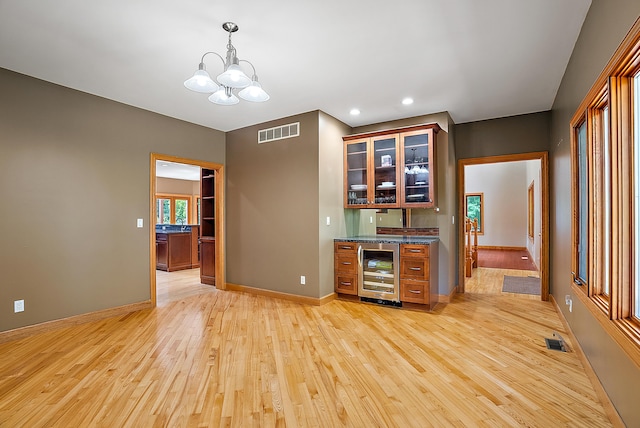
column 234, row 77
column 254, row 93
column 415, row 169
column 224, row 98
column 201, row 82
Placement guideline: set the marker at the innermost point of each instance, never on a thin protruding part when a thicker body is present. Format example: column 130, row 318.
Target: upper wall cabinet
column 391, row 169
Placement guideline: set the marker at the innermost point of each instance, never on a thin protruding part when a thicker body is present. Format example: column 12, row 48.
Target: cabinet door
column 385, row 164
column 208, row 261
column 418, row 153
column 356, row 183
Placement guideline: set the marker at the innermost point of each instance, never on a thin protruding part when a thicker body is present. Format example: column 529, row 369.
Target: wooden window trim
column 615, row 311
column 172, row 197
column 481, row 222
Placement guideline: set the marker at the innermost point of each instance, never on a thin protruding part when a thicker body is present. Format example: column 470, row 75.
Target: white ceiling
column 179, row 171
column 475, row 59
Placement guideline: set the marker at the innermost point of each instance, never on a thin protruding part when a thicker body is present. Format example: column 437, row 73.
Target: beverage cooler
column 378, row 272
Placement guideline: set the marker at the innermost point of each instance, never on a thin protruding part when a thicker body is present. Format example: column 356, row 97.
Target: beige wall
column 74, row 177
column 175, row 186
column 330, row 195
column 606, row 24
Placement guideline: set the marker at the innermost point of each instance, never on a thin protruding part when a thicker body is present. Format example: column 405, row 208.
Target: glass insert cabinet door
column 385, row 149
column 357, row 177
column 418, row 172
column 372, row 172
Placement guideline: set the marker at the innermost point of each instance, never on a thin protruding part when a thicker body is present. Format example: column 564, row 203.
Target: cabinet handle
column 345, row 283
column 344, row 247
column 415, row 268
column 415, row 291
column 346, row 263
column 414, row 251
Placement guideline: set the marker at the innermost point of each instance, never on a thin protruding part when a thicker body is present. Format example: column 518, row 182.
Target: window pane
column 163, row 211
column 583, row 200
column 182, row 211
column 607, row 200
column 636, row 194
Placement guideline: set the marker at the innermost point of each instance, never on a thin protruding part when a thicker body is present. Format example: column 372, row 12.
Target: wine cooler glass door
column 379, row 273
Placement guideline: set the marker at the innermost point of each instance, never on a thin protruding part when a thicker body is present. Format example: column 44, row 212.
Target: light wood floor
column 213, row 358
column 489, row 281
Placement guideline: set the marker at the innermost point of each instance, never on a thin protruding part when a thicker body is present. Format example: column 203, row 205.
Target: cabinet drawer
column 346, row 283
column 342, row 247
column 414, row 250
column 414, row 268
column 346, row 263
column 414, row 291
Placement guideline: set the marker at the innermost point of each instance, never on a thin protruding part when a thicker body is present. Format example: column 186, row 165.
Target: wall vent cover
column 278, row 133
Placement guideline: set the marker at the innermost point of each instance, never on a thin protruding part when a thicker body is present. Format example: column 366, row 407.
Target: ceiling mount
column 230, row 27
column 230, row 79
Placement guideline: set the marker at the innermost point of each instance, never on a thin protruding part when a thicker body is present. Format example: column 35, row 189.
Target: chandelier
column 231, row 79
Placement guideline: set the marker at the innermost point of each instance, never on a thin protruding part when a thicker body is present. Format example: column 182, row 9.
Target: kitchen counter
column 390, row 239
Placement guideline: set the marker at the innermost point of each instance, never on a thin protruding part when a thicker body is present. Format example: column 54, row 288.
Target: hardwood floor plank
column 205, row 357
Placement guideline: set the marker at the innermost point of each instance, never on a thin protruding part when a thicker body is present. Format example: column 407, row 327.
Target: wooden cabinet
column 371, row 172
column 346, row 267
column 208, row 210
column 391, row 169
column 419, row 274
column 173, row 251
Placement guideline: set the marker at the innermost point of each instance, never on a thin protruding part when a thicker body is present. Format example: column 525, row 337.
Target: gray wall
column 606, row 24
column 272, row 208
column 509, row 135
column 74, row 176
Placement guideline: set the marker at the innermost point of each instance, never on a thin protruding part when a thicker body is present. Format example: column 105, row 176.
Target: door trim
column 219, row 225
column 544, row 226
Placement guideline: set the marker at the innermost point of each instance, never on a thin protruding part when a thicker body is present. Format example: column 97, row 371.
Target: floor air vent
column 278, row 133
column 556, row 344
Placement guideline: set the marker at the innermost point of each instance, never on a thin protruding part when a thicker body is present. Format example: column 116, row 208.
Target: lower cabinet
column 173, row 251
column 418, row 272
column 208, row 261
column 345, row 268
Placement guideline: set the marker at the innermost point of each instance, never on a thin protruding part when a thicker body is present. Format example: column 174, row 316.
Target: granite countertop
column 173, row 228
column 391, row 239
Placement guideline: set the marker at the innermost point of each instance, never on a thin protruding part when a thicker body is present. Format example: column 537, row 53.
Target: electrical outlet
column 371, row 219
column 18, row 306
column 328, row 221
column 303, row 280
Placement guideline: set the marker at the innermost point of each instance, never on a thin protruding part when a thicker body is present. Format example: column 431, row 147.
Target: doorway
column 155, row 214
column 537, row 234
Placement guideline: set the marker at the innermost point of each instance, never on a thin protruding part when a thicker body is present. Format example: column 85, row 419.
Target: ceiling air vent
column 279, row 133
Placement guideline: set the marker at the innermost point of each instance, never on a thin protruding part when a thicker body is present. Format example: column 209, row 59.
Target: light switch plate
column 140, row 222
column 328, row 221
column 18, row 306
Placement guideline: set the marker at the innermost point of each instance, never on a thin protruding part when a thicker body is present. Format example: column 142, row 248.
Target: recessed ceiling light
column 407, row 101
column 354, row 112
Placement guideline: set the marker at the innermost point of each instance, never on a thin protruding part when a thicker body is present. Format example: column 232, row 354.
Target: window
column 172, row 209
column 530, row 211
column 475, row 209
column 605, row 159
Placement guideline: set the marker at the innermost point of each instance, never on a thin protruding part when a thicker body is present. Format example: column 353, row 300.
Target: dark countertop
column 174, row 228
column 391, row 239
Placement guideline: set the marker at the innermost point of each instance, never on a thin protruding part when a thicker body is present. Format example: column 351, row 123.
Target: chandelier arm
column 248, row 62
column 215, row 53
